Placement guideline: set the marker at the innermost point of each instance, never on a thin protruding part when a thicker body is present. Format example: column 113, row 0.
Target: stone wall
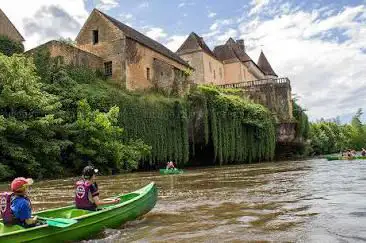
column 140, row 59
column 110, row 47
column 71, row 55
column 275, row 96
column 8, row 29
column 195, row 59
column 212, row 67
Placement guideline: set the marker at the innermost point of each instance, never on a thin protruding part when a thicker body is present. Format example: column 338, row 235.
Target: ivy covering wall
column 239, row 130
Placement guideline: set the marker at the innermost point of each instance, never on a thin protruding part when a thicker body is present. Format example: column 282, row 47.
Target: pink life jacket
column 5, row 208
column 82, row 191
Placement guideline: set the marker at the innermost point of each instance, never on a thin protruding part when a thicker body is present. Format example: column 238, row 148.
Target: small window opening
column 108, row 69
column 148, row 73
column 95, row 37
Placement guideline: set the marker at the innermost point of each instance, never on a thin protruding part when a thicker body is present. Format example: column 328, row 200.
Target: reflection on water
column 307, row 201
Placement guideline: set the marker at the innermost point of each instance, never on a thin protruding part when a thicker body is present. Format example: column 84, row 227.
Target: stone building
column 226, row 64
column 125, row 55
column 8, row 29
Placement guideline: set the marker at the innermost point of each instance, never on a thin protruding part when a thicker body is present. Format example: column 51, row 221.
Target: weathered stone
column 8, row 29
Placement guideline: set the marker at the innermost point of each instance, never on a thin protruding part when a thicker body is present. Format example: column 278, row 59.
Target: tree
column 28, row 142
column 98, row 140
column 9, row 47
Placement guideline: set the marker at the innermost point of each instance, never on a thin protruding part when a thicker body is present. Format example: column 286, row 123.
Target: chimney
column 241, row 44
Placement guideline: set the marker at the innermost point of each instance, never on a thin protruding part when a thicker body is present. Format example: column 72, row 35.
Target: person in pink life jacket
column 16, row 207
column 86, row 191
column 170, row 165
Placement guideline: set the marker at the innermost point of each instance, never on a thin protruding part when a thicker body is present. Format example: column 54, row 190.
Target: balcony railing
column 248, row 84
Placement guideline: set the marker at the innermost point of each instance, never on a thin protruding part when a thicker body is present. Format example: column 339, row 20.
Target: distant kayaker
column 170, row 165
column 363, row 152
column 16, row 207
column 86, row 192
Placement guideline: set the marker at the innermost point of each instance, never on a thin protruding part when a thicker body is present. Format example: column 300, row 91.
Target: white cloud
column 214, row 26
column 45, row 19
column 225, row 36
column 126, row 16
column 211, row 14
column 156, row 33
column 143, row 5
column 258, row 5
column 326, row 73
column 107, row 4
column 175, row 41
column 181, row 5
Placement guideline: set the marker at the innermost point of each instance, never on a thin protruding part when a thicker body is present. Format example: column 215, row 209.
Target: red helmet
column 18, row 183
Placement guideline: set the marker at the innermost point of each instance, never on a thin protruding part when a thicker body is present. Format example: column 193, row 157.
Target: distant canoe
column 330, row 158
column 170, row 171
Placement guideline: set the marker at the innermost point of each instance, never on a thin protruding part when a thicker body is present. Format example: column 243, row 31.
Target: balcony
column 259, row 82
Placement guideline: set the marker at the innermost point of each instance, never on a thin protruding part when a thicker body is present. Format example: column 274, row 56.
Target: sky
column 320, row 45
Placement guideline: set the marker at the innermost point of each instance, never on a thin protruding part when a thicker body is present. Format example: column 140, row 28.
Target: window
column 148, row 73
column 108, row 69
column 209, row 64
column 220, row 73
column 214, row 74
column 95, row 37
column 162, row 74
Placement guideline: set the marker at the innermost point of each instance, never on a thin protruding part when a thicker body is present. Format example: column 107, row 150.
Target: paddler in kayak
column 170, row 166
column 86, row 192
column 16, row 207
column 363, row 152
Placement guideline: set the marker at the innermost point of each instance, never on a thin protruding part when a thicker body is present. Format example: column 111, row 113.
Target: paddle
column 59, row 222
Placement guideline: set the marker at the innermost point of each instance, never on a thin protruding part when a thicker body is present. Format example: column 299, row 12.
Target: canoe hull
column 170, row 171
column 89, row 225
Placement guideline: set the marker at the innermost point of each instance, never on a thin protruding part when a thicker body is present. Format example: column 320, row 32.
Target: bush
column 9, row 47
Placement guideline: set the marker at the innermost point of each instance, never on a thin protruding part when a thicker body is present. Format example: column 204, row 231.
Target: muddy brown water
column 305, row 201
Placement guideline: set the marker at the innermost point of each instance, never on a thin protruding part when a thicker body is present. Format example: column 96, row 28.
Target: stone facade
column 8, row 29
column 226, row 64
column 136, row 64
column 71, row 54
column 133, row 60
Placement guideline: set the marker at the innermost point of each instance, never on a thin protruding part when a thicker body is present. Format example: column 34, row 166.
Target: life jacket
column 82, row 191
column 5, row 208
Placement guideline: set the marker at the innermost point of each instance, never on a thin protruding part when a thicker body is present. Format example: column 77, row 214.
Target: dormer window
column 95, row 37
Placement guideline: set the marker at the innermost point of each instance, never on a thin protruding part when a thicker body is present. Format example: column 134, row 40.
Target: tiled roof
column 194, row 43
column 265, row 66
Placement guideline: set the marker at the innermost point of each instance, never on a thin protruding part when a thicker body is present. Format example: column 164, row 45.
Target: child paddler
column 86, row 191
column 170, row 165
column 16, row 207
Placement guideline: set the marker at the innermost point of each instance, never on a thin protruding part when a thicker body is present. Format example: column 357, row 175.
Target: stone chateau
column 137, row 62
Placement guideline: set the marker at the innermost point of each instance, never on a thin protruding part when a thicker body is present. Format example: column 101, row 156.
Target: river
column 304, row 201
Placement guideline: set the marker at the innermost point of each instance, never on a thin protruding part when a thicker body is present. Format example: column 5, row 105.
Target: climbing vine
column 240, row 131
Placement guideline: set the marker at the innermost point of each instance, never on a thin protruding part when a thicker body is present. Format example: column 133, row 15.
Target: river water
column 304, row 201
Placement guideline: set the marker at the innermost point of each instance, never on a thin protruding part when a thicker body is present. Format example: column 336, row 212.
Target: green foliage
column 240, row 131
column 55, row 119
column 303, row 126
column 9, row 47
column 68, row 41
column 98, row 140
column 331, row 137
column 28, row 141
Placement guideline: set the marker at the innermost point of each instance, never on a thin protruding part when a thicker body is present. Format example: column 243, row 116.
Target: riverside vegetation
column 56, row 118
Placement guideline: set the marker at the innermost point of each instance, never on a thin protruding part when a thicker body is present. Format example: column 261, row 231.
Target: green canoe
column 330, row 158
column 170, row 171
column 132, row 206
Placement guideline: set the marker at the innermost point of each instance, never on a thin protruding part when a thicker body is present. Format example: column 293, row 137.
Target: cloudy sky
column 319, row 44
